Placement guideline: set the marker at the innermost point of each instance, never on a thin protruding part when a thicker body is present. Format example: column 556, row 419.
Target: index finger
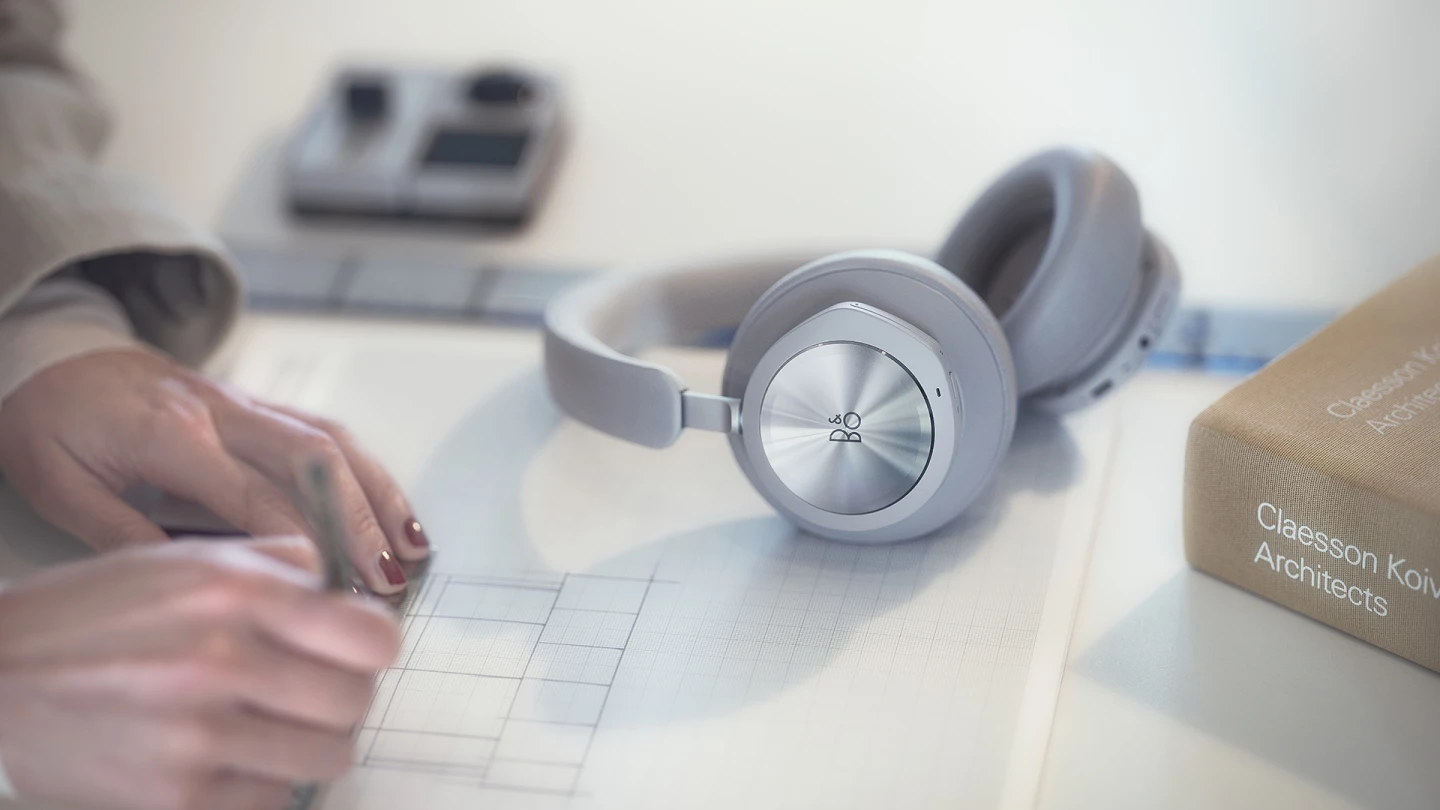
column 282, row 448
column 396, row 515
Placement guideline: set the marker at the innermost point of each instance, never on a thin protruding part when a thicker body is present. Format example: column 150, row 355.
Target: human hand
column 199, row 674
column 79, row 433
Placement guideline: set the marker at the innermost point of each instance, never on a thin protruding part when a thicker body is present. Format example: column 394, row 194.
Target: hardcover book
column 1316, row 482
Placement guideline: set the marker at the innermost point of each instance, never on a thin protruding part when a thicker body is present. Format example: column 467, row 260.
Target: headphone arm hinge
column 709, row 412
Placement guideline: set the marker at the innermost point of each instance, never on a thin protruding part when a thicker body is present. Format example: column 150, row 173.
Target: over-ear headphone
column 870, row 395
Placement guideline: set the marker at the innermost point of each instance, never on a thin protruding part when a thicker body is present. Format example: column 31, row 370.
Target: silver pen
column 340, row 573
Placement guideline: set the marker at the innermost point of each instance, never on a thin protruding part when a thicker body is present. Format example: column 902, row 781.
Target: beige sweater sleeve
column 60, row 210
column 61, row 318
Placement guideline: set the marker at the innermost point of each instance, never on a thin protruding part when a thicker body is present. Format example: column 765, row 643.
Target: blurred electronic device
column 426, row 144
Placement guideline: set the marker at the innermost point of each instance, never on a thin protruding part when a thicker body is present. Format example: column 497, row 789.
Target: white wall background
column 1287, row 150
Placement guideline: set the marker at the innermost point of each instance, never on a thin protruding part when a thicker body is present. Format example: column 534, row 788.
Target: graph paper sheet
column 564, row 651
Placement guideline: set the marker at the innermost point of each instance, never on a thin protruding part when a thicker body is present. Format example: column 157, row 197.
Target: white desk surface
column 1178, row 691
column 1284, row 149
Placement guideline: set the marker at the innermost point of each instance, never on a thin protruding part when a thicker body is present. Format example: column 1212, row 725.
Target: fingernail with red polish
column 391, row 569
column 415, row 533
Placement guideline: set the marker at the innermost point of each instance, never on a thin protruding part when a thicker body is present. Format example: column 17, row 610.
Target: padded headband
column 593, row 330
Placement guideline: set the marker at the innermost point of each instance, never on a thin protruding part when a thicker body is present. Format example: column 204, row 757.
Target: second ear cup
column 1054, row 247
column 966, row 337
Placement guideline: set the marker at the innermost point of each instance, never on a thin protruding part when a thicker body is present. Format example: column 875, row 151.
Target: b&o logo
column 849, row 430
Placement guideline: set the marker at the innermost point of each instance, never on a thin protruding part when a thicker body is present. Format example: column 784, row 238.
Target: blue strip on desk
column 460, row 288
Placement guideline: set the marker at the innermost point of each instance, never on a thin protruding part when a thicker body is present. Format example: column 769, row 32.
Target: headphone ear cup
column 1054, row 247
column 983, row 390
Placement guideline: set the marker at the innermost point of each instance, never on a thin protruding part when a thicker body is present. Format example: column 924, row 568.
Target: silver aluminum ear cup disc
column 916, row 312
column 846, row 428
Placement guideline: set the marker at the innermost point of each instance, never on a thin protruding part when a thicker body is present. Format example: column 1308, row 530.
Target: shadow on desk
column 744, row 568
column 1312, row 700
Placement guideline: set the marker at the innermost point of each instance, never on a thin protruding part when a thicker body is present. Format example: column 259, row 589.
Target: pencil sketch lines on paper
column 502, row 682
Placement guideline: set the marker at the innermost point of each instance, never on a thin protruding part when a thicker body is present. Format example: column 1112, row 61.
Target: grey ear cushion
column 1054, row 248
column 935, row 302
